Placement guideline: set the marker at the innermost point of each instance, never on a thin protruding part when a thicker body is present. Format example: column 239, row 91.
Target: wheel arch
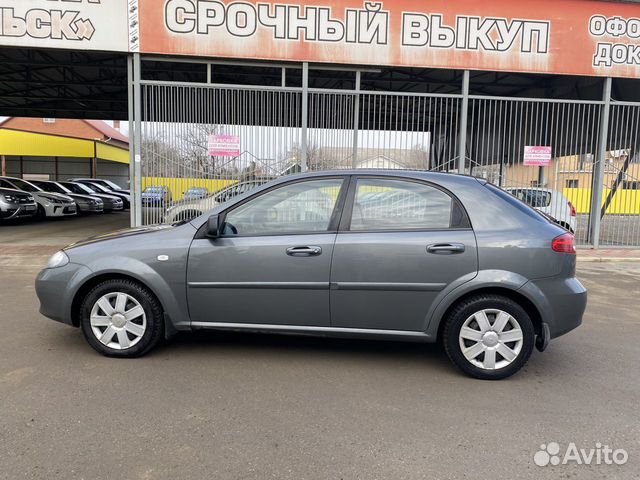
column 92, row 282
column 532, row 310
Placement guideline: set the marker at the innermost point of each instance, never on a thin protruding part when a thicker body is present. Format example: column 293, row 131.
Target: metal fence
column 283, row 130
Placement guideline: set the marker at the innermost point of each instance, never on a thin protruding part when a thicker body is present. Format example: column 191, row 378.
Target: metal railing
column 283, row 130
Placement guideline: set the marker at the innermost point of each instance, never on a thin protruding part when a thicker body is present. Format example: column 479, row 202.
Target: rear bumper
column 561, row 301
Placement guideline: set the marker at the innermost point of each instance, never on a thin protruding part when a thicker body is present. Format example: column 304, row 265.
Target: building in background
column 57, row 149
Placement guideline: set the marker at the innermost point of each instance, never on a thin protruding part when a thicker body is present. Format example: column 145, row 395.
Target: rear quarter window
column 519, row 204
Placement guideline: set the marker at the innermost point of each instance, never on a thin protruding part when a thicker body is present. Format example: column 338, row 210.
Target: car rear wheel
column 121, row 318
column 489, row 337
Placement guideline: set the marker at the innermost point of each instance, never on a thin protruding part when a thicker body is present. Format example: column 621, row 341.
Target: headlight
column 57, row 201
column 10, row 198
column 58, row 259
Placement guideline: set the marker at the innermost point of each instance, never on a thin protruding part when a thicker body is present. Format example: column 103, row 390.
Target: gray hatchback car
column 397, row 255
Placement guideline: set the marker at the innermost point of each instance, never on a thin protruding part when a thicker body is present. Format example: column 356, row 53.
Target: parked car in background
column 156, row 196
column 110, row 202
column 185, row 211
column 85, row 203
column 549, row 202
column 100, row 188
column 49, row 204
column 195, row 193
column 16, row 204
column 458, row 261
column 108, row 184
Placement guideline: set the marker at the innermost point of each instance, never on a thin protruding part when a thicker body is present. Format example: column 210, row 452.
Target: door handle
column 445, row 248
column 309, row 251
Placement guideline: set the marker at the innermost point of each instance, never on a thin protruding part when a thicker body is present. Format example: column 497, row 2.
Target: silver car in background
column 16, row 204
column 411, row 256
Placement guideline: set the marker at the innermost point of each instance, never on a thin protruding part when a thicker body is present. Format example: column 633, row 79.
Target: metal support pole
column 356, row 121
column 132, row 173
column 4, row 166
column 598, row 168
column 462, row 134
column 136, row 179
column 305, row 111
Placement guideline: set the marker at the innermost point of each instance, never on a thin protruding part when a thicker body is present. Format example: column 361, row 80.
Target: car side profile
column 394, row 255
column 110, row 203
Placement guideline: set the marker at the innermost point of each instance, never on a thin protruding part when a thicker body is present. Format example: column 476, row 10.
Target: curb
column 608, row 259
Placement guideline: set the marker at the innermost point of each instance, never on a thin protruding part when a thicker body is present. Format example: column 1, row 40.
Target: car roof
column 401, row 173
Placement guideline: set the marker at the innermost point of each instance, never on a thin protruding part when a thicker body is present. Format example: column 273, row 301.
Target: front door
column 273, row 261
column 401, row 243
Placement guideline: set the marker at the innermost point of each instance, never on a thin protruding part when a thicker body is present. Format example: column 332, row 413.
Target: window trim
column 345, row 223
column 334, row 220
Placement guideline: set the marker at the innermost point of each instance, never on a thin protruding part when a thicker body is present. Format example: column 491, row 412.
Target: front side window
column 302, row 207
column 381, row 204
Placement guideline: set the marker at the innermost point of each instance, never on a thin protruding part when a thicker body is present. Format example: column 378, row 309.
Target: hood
column 79, row 196
column 58, row 196
column 124, row 233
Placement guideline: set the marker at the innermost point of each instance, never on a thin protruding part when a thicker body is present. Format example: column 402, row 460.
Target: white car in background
column 49, row 204
column 550, row 202
column 185, row 210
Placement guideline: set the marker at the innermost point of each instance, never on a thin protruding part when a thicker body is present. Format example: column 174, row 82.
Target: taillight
column 565, row 243
column 573, row 209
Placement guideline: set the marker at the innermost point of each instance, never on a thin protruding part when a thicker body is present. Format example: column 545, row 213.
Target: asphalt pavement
column 245, row 406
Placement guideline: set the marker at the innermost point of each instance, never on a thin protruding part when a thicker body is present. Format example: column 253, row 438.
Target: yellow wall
column 27, row 144
column 180, row 185
column 625, row 202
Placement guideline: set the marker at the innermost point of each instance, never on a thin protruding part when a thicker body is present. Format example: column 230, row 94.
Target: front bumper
column 59, row 209
column 17, row 211
column 87, row 208
column 56, row 287
column 561, row 301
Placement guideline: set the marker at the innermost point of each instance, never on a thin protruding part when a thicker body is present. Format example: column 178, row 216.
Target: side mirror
column 213, row 226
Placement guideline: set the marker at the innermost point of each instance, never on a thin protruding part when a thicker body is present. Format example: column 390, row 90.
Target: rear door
column 401, row 243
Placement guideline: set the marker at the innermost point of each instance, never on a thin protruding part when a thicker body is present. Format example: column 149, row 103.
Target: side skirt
column 365, row 333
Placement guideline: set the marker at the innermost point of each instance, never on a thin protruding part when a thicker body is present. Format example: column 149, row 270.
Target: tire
column 489, row 354
column 127, row 337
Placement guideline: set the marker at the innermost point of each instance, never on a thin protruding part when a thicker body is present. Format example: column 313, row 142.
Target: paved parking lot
column 231, row 406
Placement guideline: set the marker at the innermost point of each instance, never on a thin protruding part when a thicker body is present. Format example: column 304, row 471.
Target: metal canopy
column 78, row 84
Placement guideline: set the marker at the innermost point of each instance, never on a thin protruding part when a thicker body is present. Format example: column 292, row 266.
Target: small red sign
column 537, row 156
column 224, row 146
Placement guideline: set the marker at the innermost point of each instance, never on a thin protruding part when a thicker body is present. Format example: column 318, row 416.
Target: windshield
column 52, row 187
column 26, row 186
column 78, row 188
column 97, row 187
column 111, row 185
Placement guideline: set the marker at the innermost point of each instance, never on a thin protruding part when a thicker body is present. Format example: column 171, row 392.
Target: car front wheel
column 489, row 337
column 121, row 318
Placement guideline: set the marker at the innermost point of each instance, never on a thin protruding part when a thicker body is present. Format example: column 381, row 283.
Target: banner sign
column 224, row 146
column 73, row 24
column 537, row 156
column 578, row 37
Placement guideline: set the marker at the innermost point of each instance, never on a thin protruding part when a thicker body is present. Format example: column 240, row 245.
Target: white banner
column 74, row 24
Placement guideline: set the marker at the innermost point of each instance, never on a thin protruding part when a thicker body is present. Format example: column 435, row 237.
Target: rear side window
column 519, row 204
column 381, row 204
